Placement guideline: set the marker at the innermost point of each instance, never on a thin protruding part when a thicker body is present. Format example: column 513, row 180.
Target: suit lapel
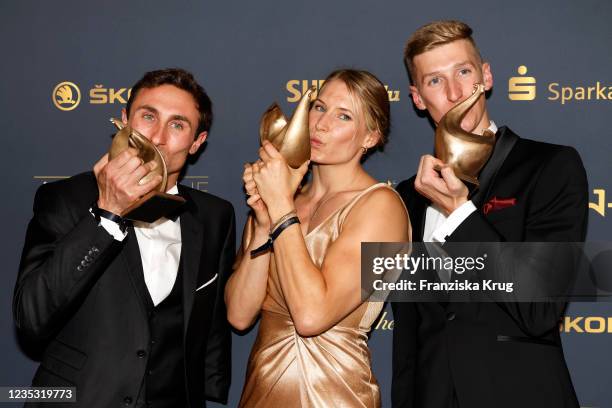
column 417, row 208
column 131, row 255
column 506, row 139
column 192, row 233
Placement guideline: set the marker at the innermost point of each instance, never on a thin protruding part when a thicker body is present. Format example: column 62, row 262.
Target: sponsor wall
column 68, row 67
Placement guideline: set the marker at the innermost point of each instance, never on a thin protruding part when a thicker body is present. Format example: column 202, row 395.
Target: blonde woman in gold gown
column 311, row 348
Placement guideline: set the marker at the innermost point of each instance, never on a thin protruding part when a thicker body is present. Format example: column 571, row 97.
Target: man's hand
column 119, row 180
column 444, row 189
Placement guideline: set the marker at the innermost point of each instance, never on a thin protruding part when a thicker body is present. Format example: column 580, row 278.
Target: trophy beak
column 296, row 141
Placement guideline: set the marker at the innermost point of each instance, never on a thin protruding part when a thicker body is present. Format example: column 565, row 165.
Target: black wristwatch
column 99, row 212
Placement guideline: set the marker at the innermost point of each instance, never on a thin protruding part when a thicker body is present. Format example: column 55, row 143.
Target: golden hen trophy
column 291, row 139
column 465, row 152
column 157, row 203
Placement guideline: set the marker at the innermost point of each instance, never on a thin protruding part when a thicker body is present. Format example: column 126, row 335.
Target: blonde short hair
column 433, row 35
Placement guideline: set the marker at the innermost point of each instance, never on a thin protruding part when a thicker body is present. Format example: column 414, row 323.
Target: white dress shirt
column 438, row 226
column 160, row 251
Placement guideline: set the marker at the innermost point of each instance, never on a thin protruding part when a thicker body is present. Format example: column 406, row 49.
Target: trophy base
column 469, row 179
column 153, row 206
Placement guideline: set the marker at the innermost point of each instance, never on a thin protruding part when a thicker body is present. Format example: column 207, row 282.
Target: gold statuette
column 465, row 152
column 156, row 203
column 291, row 139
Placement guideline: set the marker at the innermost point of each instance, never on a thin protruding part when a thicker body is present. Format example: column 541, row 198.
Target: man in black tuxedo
column 132, row 314
column 473, row 355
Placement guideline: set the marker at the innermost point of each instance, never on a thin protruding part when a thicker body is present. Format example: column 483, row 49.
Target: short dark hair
column 182, row 79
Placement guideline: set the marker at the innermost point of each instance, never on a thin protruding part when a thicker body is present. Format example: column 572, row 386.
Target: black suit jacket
column 495, row 354
column 76, row 297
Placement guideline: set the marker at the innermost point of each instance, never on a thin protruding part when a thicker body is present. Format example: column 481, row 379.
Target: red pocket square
column 495, row 204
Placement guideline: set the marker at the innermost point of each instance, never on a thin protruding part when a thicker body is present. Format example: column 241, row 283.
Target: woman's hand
column 276, row 182
column 261, row 219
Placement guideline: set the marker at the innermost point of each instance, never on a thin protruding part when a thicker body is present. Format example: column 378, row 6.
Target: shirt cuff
column 453, row 221
column 112, row 228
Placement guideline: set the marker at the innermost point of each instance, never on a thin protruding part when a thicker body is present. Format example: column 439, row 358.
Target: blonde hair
column 433, row 35
column 370, row 97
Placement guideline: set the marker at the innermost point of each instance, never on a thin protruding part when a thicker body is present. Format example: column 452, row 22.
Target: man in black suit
column 500, row 354
column 132, row 314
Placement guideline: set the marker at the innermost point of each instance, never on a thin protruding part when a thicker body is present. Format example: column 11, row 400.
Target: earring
column 364, row 150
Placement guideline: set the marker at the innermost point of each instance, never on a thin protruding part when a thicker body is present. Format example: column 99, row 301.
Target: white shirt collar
column 174, row 188
column 492, row 127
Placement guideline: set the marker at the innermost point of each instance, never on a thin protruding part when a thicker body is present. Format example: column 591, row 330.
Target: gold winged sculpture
column 291, row 139
column 466, row 152
column 157, row 203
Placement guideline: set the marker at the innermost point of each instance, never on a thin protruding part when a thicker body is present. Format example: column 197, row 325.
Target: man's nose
column 157, row 135
column 454, row 92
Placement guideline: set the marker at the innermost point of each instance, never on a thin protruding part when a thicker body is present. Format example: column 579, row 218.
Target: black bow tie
column 173, row 216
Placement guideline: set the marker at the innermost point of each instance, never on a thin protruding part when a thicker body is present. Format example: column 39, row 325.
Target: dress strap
column 347, row 209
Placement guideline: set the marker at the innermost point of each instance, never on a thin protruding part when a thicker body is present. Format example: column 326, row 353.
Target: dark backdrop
column 246, row 54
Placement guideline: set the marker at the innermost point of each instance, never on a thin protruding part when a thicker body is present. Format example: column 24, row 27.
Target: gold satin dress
column 332, row 369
